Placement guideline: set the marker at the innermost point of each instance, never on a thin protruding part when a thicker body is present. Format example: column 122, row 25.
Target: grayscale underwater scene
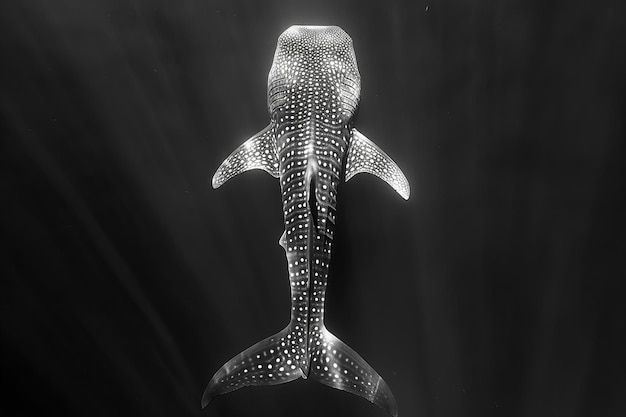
column 338, row 208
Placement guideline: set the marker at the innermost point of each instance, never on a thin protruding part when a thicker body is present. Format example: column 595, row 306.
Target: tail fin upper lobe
column 272, row 361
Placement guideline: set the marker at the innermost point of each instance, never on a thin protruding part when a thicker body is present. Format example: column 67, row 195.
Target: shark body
column 310, row 144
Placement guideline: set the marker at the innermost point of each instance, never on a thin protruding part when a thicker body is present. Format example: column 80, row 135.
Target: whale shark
column 310, row 145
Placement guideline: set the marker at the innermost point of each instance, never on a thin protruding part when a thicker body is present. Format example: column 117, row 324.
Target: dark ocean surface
column 496, row 290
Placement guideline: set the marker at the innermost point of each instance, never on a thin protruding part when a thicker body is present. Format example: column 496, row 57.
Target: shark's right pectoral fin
column 258, row 152
column 337, row 365
column 365, row 156
column 272, row 361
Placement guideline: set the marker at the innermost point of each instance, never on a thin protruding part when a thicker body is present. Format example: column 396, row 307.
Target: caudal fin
column 335, row 364
column 272, row 361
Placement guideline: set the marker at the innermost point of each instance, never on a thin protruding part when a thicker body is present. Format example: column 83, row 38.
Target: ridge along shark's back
column 310, row 143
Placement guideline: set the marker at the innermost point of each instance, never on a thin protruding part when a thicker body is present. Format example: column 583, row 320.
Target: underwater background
column 496, row 290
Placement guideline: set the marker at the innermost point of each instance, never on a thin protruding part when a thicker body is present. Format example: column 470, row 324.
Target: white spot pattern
column 313, row 94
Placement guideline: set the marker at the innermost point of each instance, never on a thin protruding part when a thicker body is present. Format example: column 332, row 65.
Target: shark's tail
column 276, row 360
column 272, row 361
column 335, row 364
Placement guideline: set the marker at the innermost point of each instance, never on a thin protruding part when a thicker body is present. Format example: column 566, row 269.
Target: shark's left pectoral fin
column 258, row 152
column 365, row 156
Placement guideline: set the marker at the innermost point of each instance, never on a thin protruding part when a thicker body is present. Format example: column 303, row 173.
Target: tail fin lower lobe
column 335, row 364
column 272, row 361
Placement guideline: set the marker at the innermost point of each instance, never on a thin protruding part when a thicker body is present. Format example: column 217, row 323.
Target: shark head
column 315, row 58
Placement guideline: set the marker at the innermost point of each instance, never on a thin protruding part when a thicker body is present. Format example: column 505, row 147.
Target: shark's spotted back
column 310, row 145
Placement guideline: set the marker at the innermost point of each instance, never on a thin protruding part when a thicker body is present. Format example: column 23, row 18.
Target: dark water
column 497, row 290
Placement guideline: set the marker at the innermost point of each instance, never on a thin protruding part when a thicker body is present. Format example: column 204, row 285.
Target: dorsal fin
column 313, row 206
column 311, row 181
